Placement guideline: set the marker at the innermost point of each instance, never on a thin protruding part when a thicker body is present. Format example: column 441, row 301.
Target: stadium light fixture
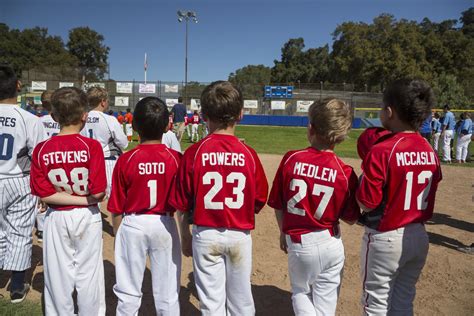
column 186, row 16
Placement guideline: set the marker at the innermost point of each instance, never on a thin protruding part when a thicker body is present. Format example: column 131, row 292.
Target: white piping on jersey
column 343, row 173
column 88, row 150
column 132, row 155
column 171, row 154
column 197, row 151
column 391, row 152
column 297, row 152
column 251, row 156
column 44, row 144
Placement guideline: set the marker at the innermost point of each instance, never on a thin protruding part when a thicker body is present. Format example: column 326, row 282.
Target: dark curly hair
column 411, row 99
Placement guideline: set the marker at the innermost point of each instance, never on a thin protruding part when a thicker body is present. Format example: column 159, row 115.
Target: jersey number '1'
column 421, row 200
column 213, row 176
column 301, row 194
column 79, row 178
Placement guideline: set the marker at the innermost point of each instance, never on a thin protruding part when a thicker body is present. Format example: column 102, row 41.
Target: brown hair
column 222, row 103
column 46, row 100
column 95, row 95
column 68, row 105
column 331, row 120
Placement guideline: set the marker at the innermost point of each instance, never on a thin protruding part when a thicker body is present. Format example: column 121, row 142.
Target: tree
column 92, row 54
column 448, row 91
column 467, row 19
column 251, row 79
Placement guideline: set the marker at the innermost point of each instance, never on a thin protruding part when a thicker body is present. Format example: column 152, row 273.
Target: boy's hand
column 42, row 206
column 283, row 245
column 186, row 245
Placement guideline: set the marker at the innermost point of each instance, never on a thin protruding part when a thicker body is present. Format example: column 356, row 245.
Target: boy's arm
column 116, row 221
column 63, row 198
column 279, row 218
column 186, row 237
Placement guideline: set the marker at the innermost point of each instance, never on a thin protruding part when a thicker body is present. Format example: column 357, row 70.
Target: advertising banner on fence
column 250, row 104
column 195, row 104
column 38, row 85
column 278, row 105
column 146, row 88
column 171, row 102
column 37, row 99
column 66, row 84
column 121, row 101
column 173, row 88
column 303, row 105
column 124, row 87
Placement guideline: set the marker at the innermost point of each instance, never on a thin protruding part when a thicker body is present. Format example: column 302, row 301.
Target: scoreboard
column 282, row 92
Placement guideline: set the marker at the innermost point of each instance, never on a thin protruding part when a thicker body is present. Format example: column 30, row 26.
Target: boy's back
column 225, row 180
column 70, row 163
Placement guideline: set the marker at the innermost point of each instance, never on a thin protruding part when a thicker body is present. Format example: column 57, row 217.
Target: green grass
column 280, row 139
column 25, row 308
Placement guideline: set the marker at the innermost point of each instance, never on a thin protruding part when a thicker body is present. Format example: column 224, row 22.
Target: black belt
column 111, row 158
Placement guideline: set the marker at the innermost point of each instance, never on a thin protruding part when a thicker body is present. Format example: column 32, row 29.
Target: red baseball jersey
column 142, row 180
column 404, row 170
column 187, row 120
column 196, row 119
column 71, row 163
column 314, row 189
column 223, row 180
column 170, row 123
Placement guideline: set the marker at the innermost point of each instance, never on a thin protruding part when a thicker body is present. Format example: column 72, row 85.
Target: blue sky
column 229, row 35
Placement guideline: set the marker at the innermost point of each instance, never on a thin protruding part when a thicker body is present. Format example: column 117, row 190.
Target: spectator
column 179, row 111
column 447, row 131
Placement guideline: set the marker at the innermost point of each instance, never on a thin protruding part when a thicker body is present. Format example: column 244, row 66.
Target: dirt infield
column 446, row 286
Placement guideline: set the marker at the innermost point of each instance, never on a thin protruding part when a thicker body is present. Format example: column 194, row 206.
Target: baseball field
column 446, row 286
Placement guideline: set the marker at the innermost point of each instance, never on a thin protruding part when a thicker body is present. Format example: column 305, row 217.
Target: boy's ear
column 241, row 115
column 390, row 112
column 18, row 86
column 84, row 117
column 52, row 115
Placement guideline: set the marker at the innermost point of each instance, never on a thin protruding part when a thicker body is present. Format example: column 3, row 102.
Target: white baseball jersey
column 50, row 126
column 20, row 131
column 171, row 141
column 107, row 130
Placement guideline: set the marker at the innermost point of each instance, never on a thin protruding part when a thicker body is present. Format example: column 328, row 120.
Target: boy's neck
column 98, row 109
column 9, row 101
column 150, row 142
column 398, row 126
column 321, row 146
column 71, row 129
column 214, row 129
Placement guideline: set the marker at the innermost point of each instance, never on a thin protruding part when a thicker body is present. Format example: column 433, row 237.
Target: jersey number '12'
column 236, row 178
column 421, row 200
column 301, row 194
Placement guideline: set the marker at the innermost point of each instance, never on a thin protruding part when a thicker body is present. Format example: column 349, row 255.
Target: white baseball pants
column 447, row 136
column 222, row 260
column 17, row 218
column 462, row 147
column 391, row 263
column 156, row 236
column 109, row 171
column 195, row 128
column 315, row 267
column 72, row 256
column 436, row 137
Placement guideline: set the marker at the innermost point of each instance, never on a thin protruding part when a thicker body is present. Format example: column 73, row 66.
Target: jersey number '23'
column 238, row 180
column 78, row 176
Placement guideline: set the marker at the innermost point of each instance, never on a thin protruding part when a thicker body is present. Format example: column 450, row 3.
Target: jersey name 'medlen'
column 313, row 171
column 151, row 168
column 57, row 157
column 410, row 158
column 223, row 159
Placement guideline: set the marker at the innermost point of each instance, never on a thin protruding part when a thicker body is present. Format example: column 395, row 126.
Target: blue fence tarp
column 286, row 120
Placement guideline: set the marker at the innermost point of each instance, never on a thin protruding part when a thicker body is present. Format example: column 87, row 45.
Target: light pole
column 186, row 16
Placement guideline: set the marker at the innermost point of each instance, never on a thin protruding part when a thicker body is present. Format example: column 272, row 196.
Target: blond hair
column 95, row 95
column 331, row 119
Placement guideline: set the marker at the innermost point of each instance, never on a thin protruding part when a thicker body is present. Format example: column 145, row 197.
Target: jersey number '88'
column 79, row 177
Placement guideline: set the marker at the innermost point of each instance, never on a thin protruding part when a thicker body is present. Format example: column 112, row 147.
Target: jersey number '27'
column 301, row 194
column 78, row 176
column 238, row 180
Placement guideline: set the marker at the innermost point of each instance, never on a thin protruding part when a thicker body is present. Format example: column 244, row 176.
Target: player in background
column 105, row 129
column 436, row 125
column 142, row 182
column 447, row 132
column 464, row 137
column 128, row 119
column 120, row 118
column 68, row 173
column 224, row 181
column 20, row 131
column 195, row 127
column 171, row 141
column 311, row 191
column 187, row 125
column 52, row 128
column 404, row 170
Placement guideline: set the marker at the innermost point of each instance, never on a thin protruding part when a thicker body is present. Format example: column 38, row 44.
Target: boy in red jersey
column 141, row 185
column 223, row 180
column 311, row 191
column 404, row 170
column 195, row 120
column 68, row 173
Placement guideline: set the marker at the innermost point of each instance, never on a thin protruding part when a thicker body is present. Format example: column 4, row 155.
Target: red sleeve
column 276, row 199
column 116, row 203
column 39, row 182
column 97, row 178
column 182, row 192
column 370, row 192
column 351, row 210
column 261, row 184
